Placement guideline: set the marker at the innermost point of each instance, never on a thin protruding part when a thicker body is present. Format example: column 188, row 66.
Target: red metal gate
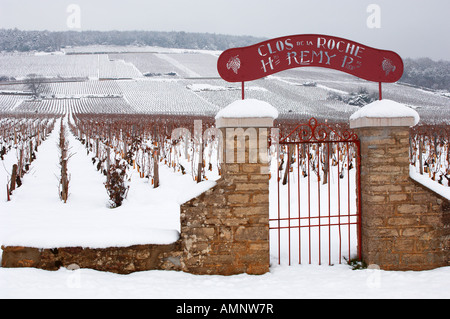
column 315, row 204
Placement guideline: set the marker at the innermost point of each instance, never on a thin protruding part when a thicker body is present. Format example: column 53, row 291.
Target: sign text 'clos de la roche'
column 272, row 56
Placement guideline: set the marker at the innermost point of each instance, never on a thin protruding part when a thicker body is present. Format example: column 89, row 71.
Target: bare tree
column 35, row 84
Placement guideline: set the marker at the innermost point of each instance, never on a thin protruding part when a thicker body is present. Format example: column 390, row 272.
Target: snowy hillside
column 159, row 80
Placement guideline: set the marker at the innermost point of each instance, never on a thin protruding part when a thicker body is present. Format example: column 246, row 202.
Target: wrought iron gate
column 315, row 205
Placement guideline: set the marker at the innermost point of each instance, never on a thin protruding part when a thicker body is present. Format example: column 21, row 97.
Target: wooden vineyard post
column 420, row 154
column 326, row 164
column 13, row 179
column 64, row 177
column 198, row 129
column 200, row 163
column 125, row 150
column 108, row 164
column 199, row 168
column 155, row 168
column 64, row 180
column 96, row 148
column 31, row 151
column 289, row 154
column 20, row 168
column 108, row 150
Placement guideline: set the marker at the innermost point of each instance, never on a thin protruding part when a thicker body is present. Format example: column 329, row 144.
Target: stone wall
column 405, row 226
column 225, row 230
column 121, row 260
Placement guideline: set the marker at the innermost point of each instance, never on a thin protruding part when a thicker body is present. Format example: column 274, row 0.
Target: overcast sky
column 412, row 28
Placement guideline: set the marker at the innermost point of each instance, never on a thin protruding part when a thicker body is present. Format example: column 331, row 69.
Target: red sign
column 272, row 56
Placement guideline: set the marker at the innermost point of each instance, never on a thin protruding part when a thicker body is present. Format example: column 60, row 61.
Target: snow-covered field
column 123, row 80
column 36, row 217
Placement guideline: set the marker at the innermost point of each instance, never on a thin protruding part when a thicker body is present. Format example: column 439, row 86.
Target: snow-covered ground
column 36, row 217
column 283, row 282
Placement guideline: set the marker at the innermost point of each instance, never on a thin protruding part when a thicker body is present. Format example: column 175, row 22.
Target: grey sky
column 412, row 28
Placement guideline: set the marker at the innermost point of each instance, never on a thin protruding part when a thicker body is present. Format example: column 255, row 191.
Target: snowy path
column 86, row 187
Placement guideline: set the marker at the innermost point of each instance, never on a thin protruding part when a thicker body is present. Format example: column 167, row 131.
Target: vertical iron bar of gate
column 299, row 210
column 309, row 205
column 339, row 200
column 278, row 197
column 288, row 168
column 318, row 199
column 358, row 195
column 329, row 201
column 348, row 198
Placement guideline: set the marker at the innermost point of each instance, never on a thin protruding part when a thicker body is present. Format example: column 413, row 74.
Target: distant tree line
column 427, row 73
column 49, row 41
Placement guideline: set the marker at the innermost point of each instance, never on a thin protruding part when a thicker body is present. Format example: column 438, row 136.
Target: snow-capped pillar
column 401, row 220
column 225, row 230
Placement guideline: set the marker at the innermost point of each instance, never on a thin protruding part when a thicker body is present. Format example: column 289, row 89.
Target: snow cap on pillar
column 247, row 113
column 384, row 113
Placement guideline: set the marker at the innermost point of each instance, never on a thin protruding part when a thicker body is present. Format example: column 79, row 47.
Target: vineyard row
column 118, row 144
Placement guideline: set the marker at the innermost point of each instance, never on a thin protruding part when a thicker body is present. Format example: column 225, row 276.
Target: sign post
column 276, row 55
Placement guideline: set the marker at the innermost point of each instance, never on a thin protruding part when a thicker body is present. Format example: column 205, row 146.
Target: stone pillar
column 225, row 230
column 402, row 221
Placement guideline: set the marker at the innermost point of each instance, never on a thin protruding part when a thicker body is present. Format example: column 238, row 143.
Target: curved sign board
column 272, row 56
